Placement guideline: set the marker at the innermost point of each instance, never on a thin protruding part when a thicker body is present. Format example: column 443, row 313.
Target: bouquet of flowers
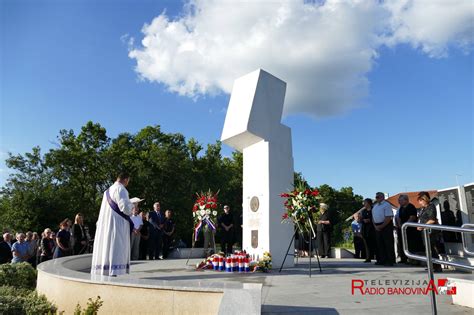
column 205, row 212
column 264, row 264
column 301, row 207
column 207, row 262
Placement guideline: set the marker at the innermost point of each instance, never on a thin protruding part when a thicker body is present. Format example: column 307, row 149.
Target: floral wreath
column 205, row 212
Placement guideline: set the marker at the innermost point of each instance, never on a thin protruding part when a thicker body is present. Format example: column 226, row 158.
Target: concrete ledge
column 337, row 252
column 67, row 281
column 184, row 253
column 464, row 292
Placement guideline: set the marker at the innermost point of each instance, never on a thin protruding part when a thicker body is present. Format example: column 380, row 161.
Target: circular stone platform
column 171, row 287
column 67, row 281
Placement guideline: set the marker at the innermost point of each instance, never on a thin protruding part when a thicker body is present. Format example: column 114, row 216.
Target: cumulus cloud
column 322, row 49
column 433, row 26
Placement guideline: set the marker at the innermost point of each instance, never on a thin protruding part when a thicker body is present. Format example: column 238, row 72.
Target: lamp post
column 457, row 179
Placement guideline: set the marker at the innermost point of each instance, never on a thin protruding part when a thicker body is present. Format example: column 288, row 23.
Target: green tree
column 45, row 189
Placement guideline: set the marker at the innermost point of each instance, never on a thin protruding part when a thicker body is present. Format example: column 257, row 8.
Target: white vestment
column 111, row 255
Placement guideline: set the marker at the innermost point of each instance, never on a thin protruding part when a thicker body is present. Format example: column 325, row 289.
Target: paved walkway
column 329, row 292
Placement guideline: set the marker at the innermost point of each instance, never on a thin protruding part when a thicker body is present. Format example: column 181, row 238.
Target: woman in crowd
column 368, row 231
column 46, row 246
column 63, row 241
column 20, row 249
column 34, row 245
column 324, row 229
column 428, row 216
column 79, row 234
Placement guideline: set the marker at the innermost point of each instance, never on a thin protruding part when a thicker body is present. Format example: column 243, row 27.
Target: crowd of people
column 70, row 239
column 152, row 233
column 375, row 226
column 152, row 237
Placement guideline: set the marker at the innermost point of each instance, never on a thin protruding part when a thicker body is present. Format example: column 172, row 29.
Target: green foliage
column 92, row 307
column 23, row 301
column 46, row 188
column 20, row 275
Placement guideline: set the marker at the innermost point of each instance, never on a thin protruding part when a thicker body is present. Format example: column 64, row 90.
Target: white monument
column 253, row 126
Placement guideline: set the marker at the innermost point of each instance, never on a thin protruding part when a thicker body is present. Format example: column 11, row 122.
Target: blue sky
column 64, row 63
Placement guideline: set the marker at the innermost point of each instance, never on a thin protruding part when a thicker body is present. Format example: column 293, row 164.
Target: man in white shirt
column 383, row 221
column 137, row 225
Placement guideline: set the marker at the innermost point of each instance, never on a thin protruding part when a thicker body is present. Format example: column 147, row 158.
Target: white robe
column 111, row 255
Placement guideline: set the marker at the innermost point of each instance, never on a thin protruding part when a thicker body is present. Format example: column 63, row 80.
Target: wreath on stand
column 301, row 208
column 205, row 212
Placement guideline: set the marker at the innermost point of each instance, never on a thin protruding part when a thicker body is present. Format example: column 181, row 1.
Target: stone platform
column 186, row 291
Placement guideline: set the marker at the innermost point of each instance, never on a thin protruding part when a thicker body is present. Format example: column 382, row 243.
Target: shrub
column 21, row 275
column 23, row 301
column 92, row 307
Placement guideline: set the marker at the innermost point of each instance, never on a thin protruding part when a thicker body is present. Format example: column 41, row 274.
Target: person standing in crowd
column 37, row 241
column 323, row 232
column 46, row 246
column 6, row 249
column 406, row 213
column 226, row 223
column 448, row 218
column 428, row 216
column 63, row 240
column 157, row 220
column 32, row 248
column 71, row 236
column 383, row 222
column 168, row 231
column 20, row 249
column 356, row 227
column 459, row 223
column 79, row 235
column 368, row 231
column 111, row 254
column 137, row 225
column 209, row 240
column 144, row 236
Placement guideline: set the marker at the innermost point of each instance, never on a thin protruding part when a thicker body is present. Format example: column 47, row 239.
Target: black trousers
column 435, row 247
column 167, row 240
column 45, row 258
column 368, row 233
column 385, row 245
column 401, row 253
column 227, row 241
column 359, row 247
column 143, row 249
column 323, row 239
column 155, row 244
column 79, row 249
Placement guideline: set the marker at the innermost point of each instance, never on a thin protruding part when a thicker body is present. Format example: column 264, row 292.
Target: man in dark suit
column 6, row 249
column 157, row 220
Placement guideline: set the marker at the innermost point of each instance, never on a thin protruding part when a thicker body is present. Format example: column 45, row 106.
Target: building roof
column 412, row 196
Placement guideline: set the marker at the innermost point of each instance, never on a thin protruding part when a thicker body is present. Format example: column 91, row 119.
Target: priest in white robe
column 111, row 255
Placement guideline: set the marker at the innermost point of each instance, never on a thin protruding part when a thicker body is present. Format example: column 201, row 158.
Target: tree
column 45, row 189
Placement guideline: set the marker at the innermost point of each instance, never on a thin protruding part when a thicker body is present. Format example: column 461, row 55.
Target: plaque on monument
column 254, row 238
column 254, row 204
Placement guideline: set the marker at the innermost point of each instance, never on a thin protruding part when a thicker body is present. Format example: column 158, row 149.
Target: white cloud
column 433, row 25
column 322, row 49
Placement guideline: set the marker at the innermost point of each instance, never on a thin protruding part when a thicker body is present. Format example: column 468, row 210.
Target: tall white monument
column 253, row 126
